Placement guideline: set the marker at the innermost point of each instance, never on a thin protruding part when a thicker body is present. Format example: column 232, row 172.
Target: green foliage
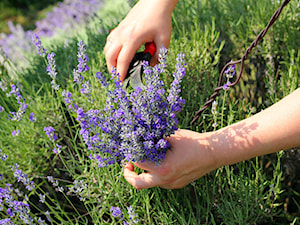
column 24, row 12
column 210, row 33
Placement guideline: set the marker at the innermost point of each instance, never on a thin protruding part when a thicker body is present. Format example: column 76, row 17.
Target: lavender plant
column 66, row 16
column 17, row 44
column 133, row 125
column 13, row 203
column 17, row 116
column 118, row 214
column 146, row 115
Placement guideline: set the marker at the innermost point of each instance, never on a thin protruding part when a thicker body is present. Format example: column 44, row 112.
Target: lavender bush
column 133, row 126
column 65, row 17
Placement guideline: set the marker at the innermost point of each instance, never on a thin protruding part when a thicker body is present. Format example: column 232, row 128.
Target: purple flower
column 42, row 198
column 50, row 133
column 66, row 16
column 36, row 40
column 77, row 77
column 82, row 66
column 102, row 79
column 57, row 149
column 230, row 71
column 86, row 90
column 53, row 182
column 60, row 189
column 32, row 118
column 17, row 116
column 67, row 96
column 47, row 214
column 132, row 126
column 3, row 156
column 41, row 221
column 15, row 132
column 116, row 212
column 227, row 86
column 214, row 107
column 132, row 215
column 51, row 69
column 82, row 58
column 5, row 221
column 10, row 212
column 22, row 177
column 80, row 189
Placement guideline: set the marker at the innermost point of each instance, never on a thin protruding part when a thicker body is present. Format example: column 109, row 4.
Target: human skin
column 193, row 154
column 147, row 21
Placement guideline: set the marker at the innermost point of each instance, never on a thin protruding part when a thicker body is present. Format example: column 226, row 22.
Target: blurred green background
column 24, row 12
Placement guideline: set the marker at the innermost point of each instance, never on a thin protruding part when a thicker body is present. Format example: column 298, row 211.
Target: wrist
column 164, row 6
column 207, row 153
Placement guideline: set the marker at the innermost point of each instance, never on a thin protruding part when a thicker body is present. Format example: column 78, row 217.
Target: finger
column 111, row 50
column 111, row 55
column 125, row 57
column 141, row 181
column 146, row 165
column 109, row 41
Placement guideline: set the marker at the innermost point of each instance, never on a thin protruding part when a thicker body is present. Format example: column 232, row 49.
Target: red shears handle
column 150, row 47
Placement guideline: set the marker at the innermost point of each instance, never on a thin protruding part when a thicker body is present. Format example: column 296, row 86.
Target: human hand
column 148, row 21
column 193, row 154
column 189, row 158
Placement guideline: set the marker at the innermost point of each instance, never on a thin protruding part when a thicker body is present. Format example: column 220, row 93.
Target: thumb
column 125, row 57
column 141, row 181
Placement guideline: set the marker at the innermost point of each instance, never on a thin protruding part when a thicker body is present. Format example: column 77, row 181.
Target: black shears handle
column 135, row 70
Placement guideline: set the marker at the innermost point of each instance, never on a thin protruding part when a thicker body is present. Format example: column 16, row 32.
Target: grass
column 258, row 191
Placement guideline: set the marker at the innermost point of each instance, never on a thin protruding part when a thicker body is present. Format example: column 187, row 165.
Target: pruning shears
column 135, row 70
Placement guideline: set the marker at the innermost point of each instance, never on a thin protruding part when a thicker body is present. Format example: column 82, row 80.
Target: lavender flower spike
column 51, row 69
column 17, row 116
column 116, row 212
column 22, row 177
column 32, row 118
column 230, row 71
column 82, row 63
column 50, row 133
column 82, row 58
column 36, row 40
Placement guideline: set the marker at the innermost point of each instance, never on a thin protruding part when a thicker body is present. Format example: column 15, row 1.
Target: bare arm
column 274, row 129
column 194, row 154
column 148, row 21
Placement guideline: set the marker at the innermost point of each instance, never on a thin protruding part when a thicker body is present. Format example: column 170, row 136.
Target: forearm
column 167, row 6
column 271, row 130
